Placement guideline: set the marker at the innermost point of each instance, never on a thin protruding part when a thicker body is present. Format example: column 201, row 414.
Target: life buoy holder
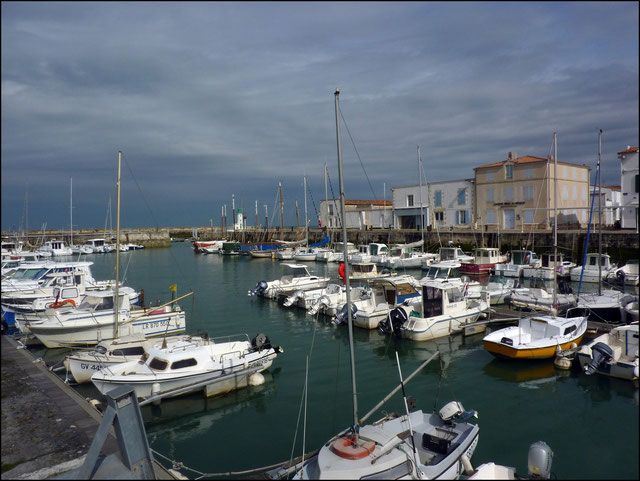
column 346, row 448
column 63, row 303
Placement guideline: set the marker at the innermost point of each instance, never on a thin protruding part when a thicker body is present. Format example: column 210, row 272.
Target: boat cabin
column 443, row 271
column 393, row 291
column 295, row 271
column 375, row 249
column 440, row 298
column 363, row 269
column 548, row 259
column 487, row 255
column 104, row 300
column 592, row 261
column 98, row 245
column 523, row 258
column 452, row 254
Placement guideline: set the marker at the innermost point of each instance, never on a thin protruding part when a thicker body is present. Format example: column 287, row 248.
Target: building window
column 491, row 176
column 637, row 184
column 491, row 216
column 508, row 194
column 461, row 217
column 490, row 194
column 410, row 200
column 529, row 216
column 462, row 195
column 508, row 171
column 439, row 216
column 437, row 200
column 528, row 192
column 330, row 209
column 529, row 173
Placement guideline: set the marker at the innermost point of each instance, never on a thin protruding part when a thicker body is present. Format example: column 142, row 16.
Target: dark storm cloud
column 207, row 100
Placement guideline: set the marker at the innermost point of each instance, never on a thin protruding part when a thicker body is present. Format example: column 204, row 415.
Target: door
column 509, row 219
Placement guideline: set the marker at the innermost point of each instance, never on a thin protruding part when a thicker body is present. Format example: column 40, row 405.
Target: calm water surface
column 591, row 423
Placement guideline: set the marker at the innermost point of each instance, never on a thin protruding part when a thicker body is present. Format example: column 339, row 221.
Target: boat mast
column 306, row 220
column 599, row 216
column 421, row 211
column 115, row 291
column 326, row 199
column 281, row 206
column 346, row 268
column 71, row 212
column 555, row 222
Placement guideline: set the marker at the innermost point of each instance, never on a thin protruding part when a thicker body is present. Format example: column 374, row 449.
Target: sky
column 213, row 100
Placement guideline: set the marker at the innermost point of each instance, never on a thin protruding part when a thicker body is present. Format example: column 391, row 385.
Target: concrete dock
column 47, row 427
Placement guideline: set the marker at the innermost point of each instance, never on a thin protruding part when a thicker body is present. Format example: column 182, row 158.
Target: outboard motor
column 394, row 321
column 260, row 342
column 321, row 303
column 260, row 288
column 453, row 411
column 620, row 275
column 342, row 316
column 539, row 460
column 289, row 301
column 600, row 353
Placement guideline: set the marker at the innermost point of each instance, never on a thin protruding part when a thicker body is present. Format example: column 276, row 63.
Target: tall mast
column 421, row 210
column 326, row 193
column 117, row 298
column 555, row 221
column 346, row 268
column 71, row 211
column 599, row 216
column 306, row 221
column 281, row 207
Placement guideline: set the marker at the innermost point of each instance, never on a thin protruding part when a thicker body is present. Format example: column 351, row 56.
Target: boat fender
column 466, row 464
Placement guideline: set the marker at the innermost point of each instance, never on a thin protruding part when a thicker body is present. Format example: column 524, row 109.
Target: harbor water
column 590, row 422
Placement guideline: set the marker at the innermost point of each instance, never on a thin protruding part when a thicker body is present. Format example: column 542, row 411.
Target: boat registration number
column 91, row 367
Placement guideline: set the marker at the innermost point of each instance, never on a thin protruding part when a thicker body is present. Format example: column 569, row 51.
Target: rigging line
column 337, row 211
column 313, row 201
column 157, row 224
column 357, row 153
column 530, row 237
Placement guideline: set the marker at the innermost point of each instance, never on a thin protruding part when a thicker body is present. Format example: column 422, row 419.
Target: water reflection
column 523, row 371
column 604, row 388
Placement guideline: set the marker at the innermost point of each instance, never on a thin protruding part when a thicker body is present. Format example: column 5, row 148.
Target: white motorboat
column 606, row 307
column 405, row 256
column 55, row 248
column 94, row 320
column 366, row 270
column 208, row 247
column 297, row 278
column 213, row 366
column 499, row 288
column 613, row 354
column 304, row 254
column 330, row 304
column 336, row 255
column 81, row 365
column 519, row 260
column 444, row 309
column 307, row 299
column 536, row 337
column 539, row 463
column 454, row 254
column 285, row 254
column 484, row 261
column 593, row 272
column 374, row 252
column 547, row 271
column 627, row 275
column 543, row 300
column 414, row 445
column 97, row 246
column 631, row 311
column 443, row 270
column 384, row 295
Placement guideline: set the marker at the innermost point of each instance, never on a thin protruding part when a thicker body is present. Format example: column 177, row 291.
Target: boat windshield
column 29, row 274
column 447, row 254
column 519, row 258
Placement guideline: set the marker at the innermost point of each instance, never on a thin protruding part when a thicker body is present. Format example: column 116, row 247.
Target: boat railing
column 240, row 353
column 230, row 338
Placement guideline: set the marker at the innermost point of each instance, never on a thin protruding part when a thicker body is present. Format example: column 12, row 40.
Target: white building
column 629, row 186
column 611, row 203
column 360, row 214
column 448, row 203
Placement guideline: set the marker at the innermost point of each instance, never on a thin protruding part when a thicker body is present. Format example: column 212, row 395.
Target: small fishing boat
column 444, row 309
column 330, row 304
column 613, row 354
column 542, row 300
column 547, row 271
column 593, row 272
column 366, row 270
column 307, row 299
column 208, row 247
column 484, row 261
column 373, row 252
column 262, row 254
column 499, row 288
column 536, row 337
column 519, row 260
column 55, row 248
column 297, row 278
column 190, row 365
column 607, row 306
column 627, row 275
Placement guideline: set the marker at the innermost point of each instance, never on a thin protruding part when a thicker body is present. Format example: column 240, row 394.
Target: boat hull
column 502, row 350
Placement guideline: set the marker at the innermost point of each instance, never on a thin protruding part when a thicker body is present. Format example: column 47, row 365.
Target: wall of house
column 629, row 188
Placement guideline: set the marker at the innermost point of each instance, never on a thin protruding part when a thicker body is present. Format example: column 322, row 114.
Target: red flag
column 341, row 273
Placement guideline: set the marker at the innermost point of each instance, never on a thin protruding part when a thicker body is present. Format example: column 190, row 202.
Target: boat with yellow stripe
column 536, row 337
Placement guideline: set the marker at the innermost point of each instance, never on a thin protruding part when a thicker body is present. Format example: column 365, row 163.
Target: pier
column 47, row 427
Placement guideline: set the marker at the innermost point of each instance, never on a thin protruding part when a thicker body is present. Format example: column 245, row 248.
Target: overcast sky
column 210, row 100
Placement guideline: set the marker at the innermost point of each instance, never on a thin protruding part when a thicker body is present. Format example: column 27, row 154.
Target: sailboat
column 305, row 254
column 415, row 445
column 107, row 314
column 540, row 337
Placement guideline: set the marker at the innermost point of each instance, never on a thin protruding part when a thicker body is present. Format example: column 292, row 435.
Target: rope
column 357, row 153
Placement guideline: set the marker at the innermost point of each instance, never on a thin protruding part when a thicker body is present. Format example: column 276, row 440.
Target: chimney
column 512, row 156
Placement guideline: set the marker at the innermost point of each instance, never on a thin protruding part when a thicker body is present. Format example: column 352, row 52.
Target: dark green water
column 591, row 423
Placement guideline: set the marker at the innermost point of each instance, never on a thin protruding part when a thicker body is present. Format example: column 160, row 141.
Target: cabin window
column 69, row 292
column 107, row 303
column 431, row 301
column 569, row 330
column 455, row 295
column 143, row 358
column 182, row 363
column 592, row 261
column 158, row 364
column 129, row 351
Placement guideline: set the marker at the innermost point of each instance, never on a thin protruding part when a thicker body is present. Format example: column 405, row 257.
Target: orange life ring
column 346, row 448
column 63, row 303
